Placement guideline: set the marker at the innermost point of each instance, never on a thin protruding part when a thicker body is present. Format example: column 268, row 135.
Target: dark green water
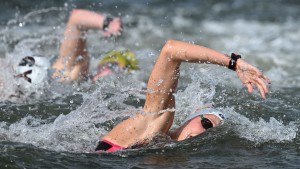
column 61, row 129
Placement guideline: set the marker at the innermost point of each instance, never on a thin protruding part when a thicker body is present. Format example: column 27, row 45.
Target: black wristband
column 233, row 60
column 106, row 23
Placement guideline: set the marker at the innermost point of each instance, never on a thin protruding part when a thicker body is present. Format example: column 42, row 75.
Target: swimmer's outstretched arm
column 164, row 77
column 162, row 84
column 73, row 62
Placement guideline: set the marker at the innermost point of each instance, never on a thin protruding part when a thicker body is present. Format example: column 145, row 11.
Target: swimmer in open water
column 73, row 61
column 159, row 109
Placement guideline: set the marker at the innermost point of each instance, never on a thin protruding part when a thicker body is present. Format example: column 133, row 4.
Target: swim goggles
column 205, row 122
column 26, row 61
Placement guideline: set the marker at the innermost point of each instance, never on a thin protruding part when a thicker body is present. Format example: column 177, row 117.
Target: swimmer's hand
column 114, row 28
column 252, row 77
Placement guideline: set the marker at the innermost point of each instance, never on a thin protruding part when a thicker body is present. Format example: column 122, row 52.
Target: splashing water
column 79, row 130
column 262, row 131
column 235, row 26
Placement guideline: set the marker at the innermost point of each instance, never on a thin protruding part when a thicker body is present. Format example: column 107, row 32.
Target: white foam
column 262, row 131
column 270, row 46
column 77, row 131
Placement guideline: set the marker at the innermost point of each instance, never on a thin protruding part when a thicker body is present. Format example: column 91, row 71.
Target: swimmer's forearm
column 185, row 52
column 84, row 19
column 177, row 52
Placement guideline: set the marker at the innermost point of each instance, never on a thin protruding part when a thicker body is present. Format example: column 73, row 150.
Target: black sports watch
column 106, row 23
column 233, row 60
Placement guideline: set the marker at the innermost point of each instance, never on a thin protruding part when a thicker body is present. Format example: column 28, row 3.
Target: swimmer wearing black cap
column 159, row 109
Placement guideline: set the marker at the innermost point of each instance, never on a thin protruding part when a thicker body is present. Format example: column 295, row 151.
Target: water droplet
column 159, row 82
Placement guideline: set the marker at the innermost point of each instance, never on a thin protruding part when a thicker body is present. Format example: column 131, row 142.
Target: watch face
column 232, row 62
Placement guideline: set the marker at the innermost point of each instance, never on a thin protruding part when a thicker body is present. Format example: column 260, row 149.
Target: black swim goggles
column 26, row 61
column 205, row 122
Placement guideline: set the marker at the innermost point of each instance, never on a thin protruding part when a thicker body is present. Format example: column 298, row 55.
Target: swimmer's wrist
column 106, row 22
column 233, row 61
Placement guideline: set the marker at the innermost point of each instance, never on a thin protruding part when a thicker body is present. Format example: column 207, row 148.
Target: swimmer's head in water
column 116, row 62
column 204, row 111
column 32, row 69
column 198, row 122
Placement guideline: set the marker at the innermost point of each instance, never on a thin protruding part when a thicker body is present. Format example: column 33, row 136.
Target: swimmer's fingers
column 262, row 91
column 109, row 34
column 260, row 82
column 115, row 28
column 261, row 86
column 252, row 77
column 116, row 34
column 250, row 87
column 266, row 79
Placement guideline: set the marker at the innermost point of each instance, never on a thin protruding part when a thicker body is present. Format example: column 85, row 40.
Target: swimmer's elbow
column 169, row 49
column 75, row 16
column 74, row 13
